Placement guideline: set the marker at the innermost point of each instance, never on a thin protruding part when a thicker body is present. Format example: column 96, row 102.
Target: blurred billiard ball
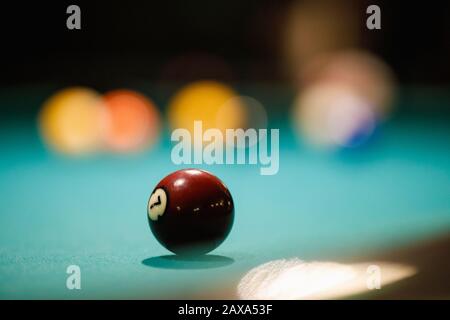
column 190, row 212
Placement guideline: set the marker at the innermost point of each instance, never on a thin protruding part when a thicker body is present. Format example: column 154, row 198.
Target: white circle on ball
column 157, row 204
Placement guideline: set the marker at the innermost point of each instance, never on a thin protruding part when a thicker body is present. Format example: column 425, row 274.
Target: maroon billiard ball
column 190, row 211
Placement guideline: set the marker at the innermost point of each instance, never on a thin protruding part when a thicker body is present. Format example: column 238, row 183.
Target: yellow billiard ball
column 72, row 121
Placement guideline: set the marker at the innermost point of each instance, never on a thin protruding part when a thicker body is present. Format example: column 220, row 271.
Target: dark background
column 135, row 38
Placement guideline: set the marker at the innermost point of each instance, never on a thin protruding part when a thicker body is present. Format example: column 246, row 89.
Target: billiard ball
column 133, row 121
column 190, row 211
column 71, row 121
column 213, row 103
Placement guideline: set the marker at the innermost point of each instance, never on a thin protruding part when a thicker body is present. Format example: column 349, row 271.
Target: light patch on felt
column 289, row 279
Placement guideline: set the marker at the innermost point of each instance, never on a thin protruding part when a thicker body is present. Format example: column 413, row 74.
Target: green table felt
column 91, row 212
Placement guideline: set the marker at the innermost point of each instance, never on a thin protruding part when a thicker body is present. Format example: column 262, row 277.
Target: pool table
column 57, row 211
